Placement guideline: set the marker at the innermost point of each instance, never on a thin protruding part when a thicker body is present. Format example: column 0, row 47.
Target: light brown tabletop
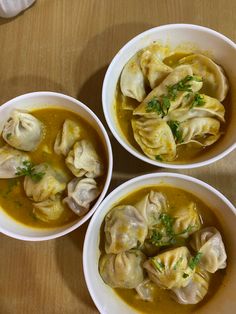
column 66, row 46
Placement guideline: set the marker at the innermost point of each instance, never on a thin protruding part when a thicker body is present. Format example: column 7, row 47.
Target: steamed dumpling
column 50, row 183
column 151, row 205
column 186, row 220
column 152, row 66
column 209, row 243
column 203, row 131
column 67, row 137
column 180, row 73
column 10, row 161
column 23, row 131
column 125, row 228
column 195, row 291
column 84, row 160
column 155, row 138
column 170, row 269
column 132, row 80
column 48, row 210
column 215, row 83
column 122, row 270
column 210, row 107
column 81, row 193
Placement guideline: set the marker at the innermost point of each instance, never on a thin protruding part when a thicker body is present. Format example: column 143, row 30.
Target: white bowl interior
column 104, row 296
column 33, row 101
column 198, row 38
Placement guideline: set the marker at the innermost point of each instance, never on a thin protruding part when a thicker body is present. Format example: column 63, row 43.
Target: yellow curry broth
column 12, row 195
column 162, row 300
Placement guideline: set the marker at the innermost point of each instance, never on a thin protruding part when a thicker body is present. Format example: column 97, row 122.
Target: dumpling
column 48, row 210
column 195, row 291
column 215, row 83
column 209, row 107
column 151, row 205
column 125, row 228
column 124, row 270
column 170, row 269
column 84, row 160
column 132, row 80
column 155, row 138
column 145, row 290
column 209, row 243
column 10, row 161
column 44, row 186
column 152, row 66
column 23, row 131
column 177, row 87
column 186, row 220
column 67, row 137
column 81, row 193
column 203, row 131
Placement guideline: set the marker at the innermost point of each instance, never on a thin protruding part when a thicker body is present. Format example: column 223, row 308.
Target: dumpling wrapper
column 195, row 291
column 151, row 206
column 170, row 269
column 132, row 80
column 211, row 108
column 23, row 131
column 152, row 66
column 125, row 229
column 155, row 138
column 215, row 83
column 81, row 193
column 10, row 160
column 83, row 160
column 51, row 183
column 208, row 241
column 178, row 74
column 66, row 137
column 49, row 209
column 122, row 270
column 202, row 131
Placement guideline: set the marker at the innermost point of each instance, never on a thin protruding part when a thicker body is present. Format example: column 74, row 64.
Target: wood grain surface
column 66, row 46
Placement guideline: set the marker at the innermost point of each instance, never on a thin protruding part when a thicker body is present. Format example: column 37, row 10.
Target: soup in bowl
column 162, row 243
column 168, row 95
column 55, row 165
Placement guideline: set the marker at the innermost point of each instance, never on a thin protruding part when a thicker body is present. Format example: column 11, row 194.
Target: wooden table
column 66, row 46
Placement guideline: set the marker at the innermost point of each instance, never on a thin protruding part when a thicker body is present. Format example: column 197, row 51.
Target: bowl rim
column 105, row 106
column 112, row 197
column 109, row 167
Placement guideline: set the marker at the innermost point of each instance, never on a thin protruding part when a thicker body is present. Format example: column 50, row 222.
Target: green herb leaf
column 195, row 260
column 157, row 265
column 182, row 85
column 158, row 158
column 167, row 222
column 8, row 136
column 185, row 275
column 29, row 171
column 165, row 105
column 154, row 105
column 198, row 101
column 174, row 126
column 177, row 264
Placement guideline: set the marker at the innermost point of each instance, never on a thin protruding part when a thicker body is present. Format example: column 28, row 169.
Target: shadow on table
column 69, row 257
column 19, row 85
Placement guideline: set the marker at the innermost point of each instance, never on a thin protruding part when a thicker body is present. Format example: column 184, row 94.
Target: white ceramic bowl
column 223, row 51
column 106, row 300
column 8, row 225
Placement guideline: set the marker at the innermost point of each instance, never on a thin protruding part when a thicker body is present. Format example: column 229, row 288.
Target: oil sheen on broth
column 162, row 302
column 12, row 195
column 124, row 107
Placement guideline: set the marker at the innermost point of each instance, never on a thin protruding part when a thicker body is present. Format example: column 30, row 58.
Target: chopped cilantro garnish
column 198, row 101
column 158, row 158
column 174, row 126
column 195, row 260
column 157, row 265
column 29, row 170
column 8, row 136
column 185, row 275
column 177, row 264
column 154, row 105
